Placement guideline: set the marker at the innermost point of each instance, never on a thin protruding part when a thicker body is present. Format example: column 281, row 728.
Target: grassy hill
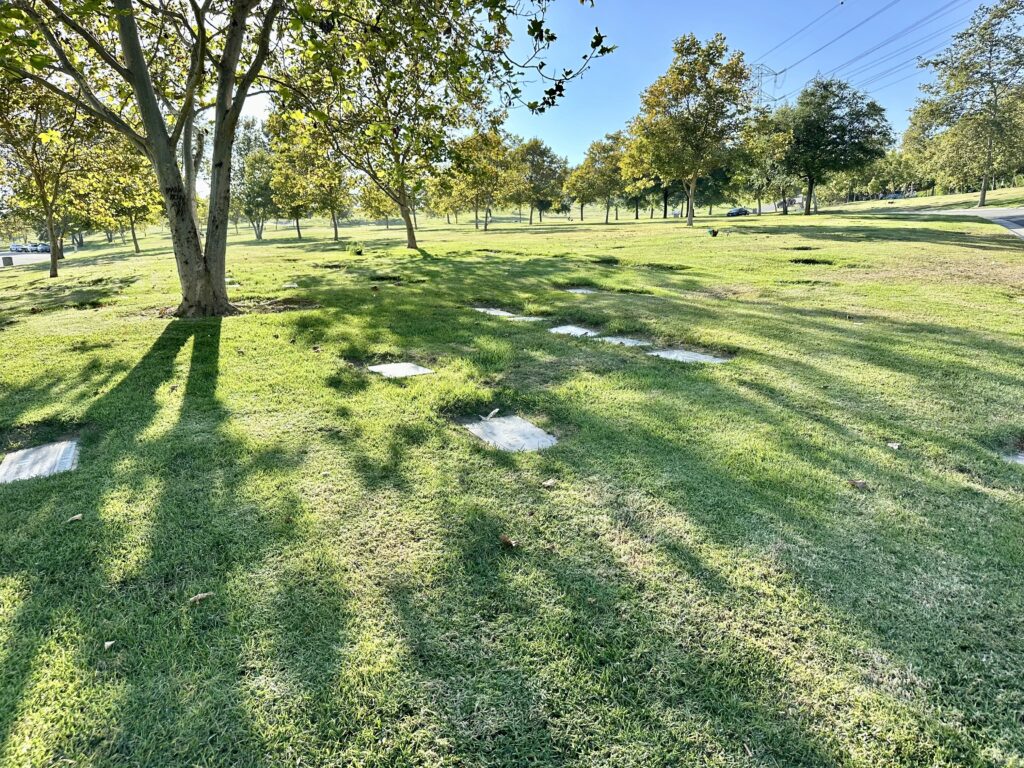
column 702, row 585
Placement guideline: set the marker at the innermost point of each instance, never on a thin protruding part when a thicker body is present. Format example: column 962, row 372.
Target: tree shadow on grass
column 165, row 516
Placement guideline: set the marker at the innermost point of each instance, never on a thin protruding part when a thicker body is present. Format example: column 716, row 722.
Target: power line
column 799, row 31
column 941, row 32
column 943, row 10
column 839, row 37
column 898, row 67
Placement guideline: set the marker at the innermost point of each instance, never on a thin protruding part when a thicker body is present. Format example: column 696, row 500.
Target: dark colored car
column 738, row 212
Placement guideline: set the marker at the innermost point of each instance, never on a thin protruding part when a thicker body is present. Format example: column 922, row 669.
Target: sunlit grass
column 702, row 585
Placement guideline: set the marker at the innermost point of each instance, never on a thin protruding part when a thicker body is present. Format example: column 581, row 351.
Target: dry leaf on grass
column 860, row 485
column 508, row 541
column 895, row 446
column 75, row 519
column 108, row 645
column 200, row 597
column 549, row 483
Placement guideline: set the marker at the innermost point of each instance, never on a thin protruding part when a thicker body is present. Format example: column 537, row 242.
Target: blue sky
column 609, row 95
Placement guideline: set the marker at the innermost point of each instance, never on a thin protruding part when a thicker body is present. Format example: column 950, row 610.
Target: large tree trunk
column 636, row 213
column 690, row 200
column 135, row 238
column 410, row 229
column 810, row 195
column 758, row 205
column 785, row 202
column 298, row 228
column 476, row 216
column 531, row 213
column 607, row 210
column 664, row 203
column 203, row 292
column 581, row 211
column 334, row 222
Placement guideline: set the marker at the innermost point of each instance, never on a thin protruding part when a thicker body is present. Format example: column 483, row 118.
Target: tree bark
column 758, row 205
column 810, row 194
column 636, row 215
column 581, row 211
column 135, row 238
column 607, row 210
column 476, row 216
column 690, row 200
column 334, row 221
column 51, row 233
column 531, row 213
column 407, row 216
column 664, row 203
column 298, row 228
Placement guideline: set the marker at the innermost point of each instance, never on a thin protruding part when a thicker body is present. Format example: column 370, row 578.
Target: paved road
column 1011, row 218
column 25, row 258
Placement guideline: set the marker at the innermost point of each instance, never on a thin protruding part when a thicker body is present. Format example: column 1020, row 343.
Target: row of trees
column 387, row 85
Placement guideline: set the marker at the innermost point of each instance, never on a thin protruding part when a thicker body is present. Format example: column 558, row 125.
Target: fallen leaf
column 174, row 387
column 291, row 340
column 508, row 541
column 108, row 645
column 550, row 483
column 75, row 519
column 316, row 349
column 895, row 446
column 861, row 485
column 200, row 597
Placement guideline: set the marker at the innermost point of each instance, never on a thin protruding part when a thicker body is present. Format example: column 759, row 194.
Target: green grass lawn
column 703, row 586
column 1011, row 197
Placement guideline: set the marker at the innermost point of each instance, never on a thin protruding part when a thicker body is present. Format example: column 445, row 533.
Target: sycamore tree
column 599, row 177
column 255, row 193
column 545, row 175
column 483, row 173
column 688, row 114
column 374, row 203
column 148, row 70
column 45, row 144
column 126, row 187
column 394, row 86
column 979, row 90
column 835, row 128
column 764, row 141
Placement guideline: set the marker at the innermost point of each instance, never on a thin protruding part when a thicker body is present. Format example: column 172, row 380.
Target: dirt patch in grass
column 273, row 306
column 19, row 436
column 823, row 262
column 669, row 267
column 330, row 265
column 382, row 278
column 801, row 248
column 608, row 261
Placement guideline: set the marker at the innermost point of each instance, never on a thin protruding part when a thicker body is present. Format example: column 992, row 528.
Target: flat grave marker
column 686, row 356
column 580, row 291
column 494, row 312
column 572, row 330
column 399, row 370
column 512, row 433
column 42, row 461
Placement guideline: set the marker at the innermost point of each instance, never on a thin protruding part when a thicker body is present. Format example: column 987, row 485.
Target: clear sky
column 608, row 96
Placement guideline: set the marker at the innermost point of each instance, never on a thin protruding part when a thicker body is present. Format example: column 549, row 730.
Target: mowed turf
column 702, row 586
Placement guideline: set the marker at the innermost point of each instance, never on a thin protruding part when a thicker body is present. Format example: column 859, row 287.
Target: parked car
column 42, row 248
column 738, row 212
column 19, row 247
